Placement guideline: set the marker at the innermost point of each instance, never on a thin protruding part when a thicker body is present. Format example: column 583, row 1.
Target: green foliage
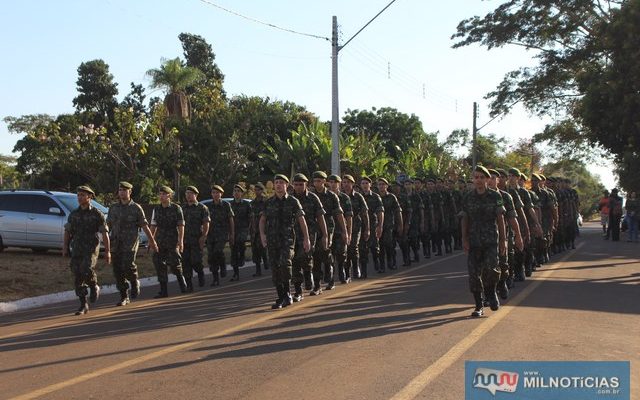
column 10, row 178
column 173, row 76
column 96, row 92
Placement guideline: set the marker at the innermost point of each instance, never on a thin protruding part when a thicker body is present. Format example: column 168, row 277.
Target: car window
column 42, row 204
column 71, row 203
column 15, row 202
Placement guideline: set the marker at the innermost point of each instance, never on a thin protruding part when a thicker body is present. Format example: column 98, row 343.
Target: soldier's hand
column 325, row 243
column 365, row 235
column 180, row 247
column 306, row 245
column 519, row 243
column 231, row 240
column 378, row 232
column 107, row 257
column 153, row 246
column 263, row 239
column 465, row 246
column 202, row 241
column 503, row 248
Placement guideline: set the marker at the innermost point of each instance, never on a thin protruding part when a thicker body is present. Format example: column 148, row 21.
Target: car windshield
column 71, row 203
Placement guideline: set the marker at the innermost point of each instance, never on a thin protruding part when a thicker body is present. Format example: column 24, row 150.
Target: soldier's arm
column 380, row 224
column 305, row 233
column 65, row 245
column 524, row 229
column 399, row 221
column 423, row 222
column 180, row 238
column 263, row 235
column 349, row 223
column 343, row 224
column 107, row 246
column 502, row 237
column 465, row 233
column 365, row 222
column 515, row 227
column 232, row 231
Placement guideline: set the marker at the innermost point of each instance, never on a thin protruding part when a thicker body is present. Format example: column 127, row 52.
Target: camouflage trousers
column 238, row 251
column 339, row 253
column 191, row 258
column 165, row 259
column 387, row 248
column 83, row 267
column 258, row 252
column 323, row 261
column 302, row 263
column 483, row 268
column 215, row 254
column 353, row 252
column 369, row 246
column 124, row 268
column 280, row 261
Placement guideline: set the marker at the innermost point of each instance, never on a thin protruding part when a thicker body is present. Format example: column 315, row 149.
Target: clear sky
column 403, row 59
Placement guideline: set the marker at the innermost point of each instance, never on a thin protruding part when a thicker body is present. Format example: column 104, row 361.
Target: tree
column 588, row 186
column 10, row 178
column 199, row 54
column 175, row 78
column 96, row 92
column 135, row 100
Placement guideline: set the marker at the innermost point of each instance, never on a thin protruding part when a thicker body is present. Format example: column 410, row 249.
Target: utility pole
column 474, row 155
column 335, row 134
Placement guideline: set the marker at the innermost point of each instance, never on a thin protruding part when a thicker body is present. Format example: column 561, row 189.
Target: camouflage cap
column 542, row 177
column 502, row 172
column 483, row 171
column 383, row 180
column 319, row 175
column 217, row 188
column 514, row 171
column 347, row 177
column 258, row 186
column 493, row 172
column 408, row 180
column 192, row 189
column 334, row 178
column 166, row 189
column 535, row 177
column 86, row 189
column 417, row 179
column 282, row 177
column 366, row 178
column 300, row 177
column 523, row 176
column 125, row 185
column 239, row 187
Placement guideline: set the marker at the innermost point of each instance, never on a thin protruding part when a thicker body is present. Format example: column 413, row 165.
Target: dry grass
column 24, row 273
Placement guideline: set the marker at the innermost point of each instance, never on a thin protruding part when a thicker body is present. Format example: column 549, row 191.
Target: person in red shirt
column 603, row 207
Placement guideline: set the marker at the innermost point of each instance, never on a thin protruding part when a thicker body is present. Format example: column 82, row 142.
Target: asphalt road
column 403, row 335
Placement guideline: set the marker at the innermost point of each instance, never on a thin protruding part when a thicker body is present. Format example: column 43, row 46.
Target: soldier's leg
column 196, row 263
column 365, row 245
column 188, row 265
column 256, row 254
column 174, row 262
column 404, row 248
column 382, row 254
column 79, row 284
column 222, row 262
column 160, row 264
column 297, row 270
column 474, row 269
column 490, row 274
column 286, row 255
column 212, row 261
column 425, row 237
column 274, row 259
column 340, row 259
column 374, row 249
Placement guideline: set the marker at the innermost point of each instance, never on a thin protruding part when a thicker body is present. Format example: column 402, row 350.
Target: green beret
column 319, row 174
column 514, row 171
column 493, row 172
column 217, row 188
column 125, row 185
column 542, row 177
column 366, row 178
column 408, row 180
column 281, row 177
column 239, row 187
column 535, row 177
column 86, row 189
column 383, row 180
column 259, row 186
column 192, row 189
column 347, row 177
column 483, row 171
column 430, row 180
column 523, row 176
column 502, row 171
column 460, row 180
column 417, row 179
column 300, row 177
column 334, row 178
column 166, row 189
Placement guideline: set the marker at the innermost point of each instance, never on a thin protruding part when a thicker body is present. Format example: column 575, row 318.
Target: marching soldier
column 241, row 221
column 438, row 215
column 124, row 219
column 167, row 228
column 282, row 212
column 196, row 227
column 407, row 213
column 376, row 220
column 429, row 217
column 316, row 227
column 483, row 238
column 392, row 224
column 359, row 227
column 221, row 230
column 258, row 252
column 340, row 240
column 81, row 232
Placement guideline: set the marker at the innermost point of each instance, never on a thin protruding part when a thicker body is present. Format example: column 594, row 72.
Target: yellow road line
column 175, row 348
column 420, row 382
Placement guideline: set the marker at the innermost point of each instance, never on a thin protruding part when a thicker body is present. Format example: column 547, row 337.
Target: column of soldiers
column 308, row 235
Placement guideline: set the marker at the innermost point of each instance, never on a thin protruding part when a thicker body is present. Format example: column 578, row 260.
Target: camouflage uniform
column 374, row 204
column 482, row 211
column 194, row 216
column 522, row 200
column 339, row 244
column 218, row 237
column 437, row 228
column 403, row 238
column 241, row 220
column 258, row 252
column 303, row 261
column 415, row 223
column 124, row 221
column 84, row 225
column 387, row 241
column 449, row 220
column 457, row 196
column 359, row 205
column 531, row 262
column 167, row 220
column 546, row 210
column 321, row 257
column 504, row 261
column 429, row 214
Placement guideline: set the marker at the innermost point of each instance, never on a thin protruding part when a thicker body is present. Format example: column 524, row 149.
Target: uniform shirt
column 375, row 206
column 391, row 207
column 257, row 207
column 167, row 220
column 418, row 206
column 84, row 225
column 281, row 215
column 312, row 208
column 220, row 214
column 510, row 210
column 241, row 218
column 358, row 204
column 194, row 216
column 124, row 220
column 331, row 204
column 546, row 207
column 482, row 211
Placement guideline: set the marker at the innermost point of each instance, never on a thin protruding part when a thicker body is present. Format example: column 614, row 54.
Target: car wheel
column 39, row 250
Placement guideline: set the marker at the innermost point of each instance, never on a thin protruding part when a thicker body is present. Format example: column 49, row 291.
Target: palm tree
column 175, row 78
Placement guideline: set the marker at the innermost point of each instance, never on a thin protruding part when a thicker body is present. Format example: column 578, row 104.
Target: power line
column 264, row 23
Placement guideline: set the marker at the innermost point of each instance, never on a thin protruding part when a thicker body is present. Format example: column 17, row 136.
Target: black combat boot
column 201, row 280
column 223, row 267
column 503, row 289
column 236, row 274
column 317, row 290
column 308, row 280
column 347, row 274
column 363, row 269
column 355, row 273
column 286, row 294
column 94, row 293
column 84, row 307
column 278, row 304
column 135, row 288
column 189, row 282
column 124, row 298
column 478, row 311
column 406, row 257
column 297, row 295
column 164, row 292
column 216, row 279
column 494, row 303
column 182, row 283
column 258, row 270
